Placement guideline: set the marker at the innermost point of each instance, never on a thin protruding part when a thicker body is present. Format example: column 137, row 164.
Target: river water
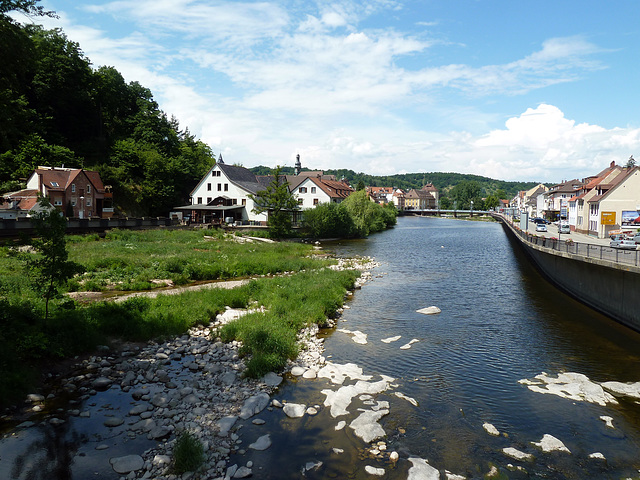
column 501, row 322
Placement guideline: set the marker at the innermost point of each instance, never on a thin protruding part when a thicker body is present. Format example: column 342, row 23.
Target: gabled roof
column 613, row 184
column 332, row 188
column 20, row 200
column 58, row 179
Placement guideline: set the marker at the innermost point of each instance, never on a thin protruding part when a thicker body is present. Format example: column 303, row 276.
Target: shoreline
column 207, row 402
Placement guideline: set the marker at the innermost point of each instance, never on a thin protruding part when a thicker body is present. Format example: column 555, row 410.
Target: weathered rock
column 429, row 310
column 272, row 379
column 574, row 386
column 421, row 470
column 490, row 429
column 298, row 371
column 113, row 422
column 517, row 454
column 549, row 443
column 392, row 339
column 225, row 424
column 254, row 405
column 101, row 383
column 126, row 464
column 294, row 410
column 374, row 471
column 366, row 425
column 262, row 443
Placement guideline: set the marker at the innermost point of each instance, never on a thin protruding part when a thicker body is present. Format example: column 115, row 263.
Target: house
column 76, row 192
column 556, row 199
column 314, row 188
column 616, row 203
column 223, row 195
column 381, row 195
column 398, row 199
column 425, row 198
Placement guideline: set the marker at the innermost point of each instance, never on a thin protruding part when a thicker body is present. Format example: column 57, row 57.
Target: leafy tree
column 361, row 185
column 278, row 202
column 631, row 162
column 491, row 201
column 51, row 268
column 329, row 220
column 28, row 7
column 465, row 192
column 368, row 217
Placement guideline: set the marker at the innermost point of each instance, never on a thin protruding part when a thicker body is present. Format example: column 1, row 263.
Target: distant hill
column 443, row 181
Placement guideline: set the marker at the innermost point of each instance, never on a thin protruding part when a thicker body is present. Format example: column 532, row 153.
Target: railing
column 586, row 250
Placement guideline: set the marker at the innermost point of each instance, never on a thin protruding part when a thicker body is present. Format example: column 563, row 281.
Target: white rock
column 597, row 455
column 294, row 410
column 549, row 443
column 243, row 472
column 607, row 420
column 374, row 471
column 341, row 424
column 262, row 443
column 309, row 374
column 574, row 386
column 312, row 411
column 407, row 346
column 429, row 310
column 624, row 389
column 412, row 401
column 394, row 456
column 517, row 454
column 490, row 429
column 366, row 425
column 358, row 336
column 421, row 470
column 340, row 400
column 338, row 373
column 392, row 339
column 297, row 371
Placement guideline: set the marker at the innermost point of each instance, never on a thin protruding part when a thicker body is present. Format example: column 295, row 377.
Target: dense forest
column 55, row 109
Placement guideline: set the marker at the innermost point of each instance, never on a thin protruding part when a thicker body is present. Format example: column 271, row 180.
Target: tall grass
column 269, row 339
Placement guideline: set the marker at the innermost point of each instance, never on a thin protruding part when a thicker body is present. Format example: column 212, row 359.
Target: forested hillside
column 55, row 109
column 459, row 187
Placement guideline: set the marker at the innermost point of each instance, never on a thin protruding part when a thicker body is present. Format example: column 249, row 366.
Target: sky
column 541, row 90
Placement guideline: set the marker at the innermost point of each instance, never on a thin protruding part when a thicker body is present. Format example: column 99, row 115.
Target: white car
column 541, row 227
column 621, row 241
column 564, row 228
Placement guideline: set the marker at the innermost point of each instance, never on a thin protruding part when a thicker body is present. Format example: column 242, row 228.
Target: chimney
column 613, row 164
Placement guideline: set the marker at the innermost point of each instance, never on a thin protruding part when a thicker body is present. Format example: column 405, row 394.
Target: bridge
column 438, row 212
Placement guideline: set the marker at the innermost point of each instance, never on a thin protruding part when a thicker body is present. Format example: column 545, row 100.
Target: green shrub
column 328, row 220
column 188, row 453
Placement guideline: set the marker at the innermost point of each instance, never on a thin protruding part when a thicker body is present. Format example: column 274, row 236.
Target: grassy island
column 292, row 284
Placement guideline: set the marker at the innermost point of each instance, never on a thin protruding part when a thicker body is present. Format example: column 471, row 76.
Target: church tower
column 298, row 165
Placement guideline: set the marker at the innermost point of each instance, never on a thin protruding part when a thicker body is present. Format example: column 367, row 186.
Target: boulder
column 126, row 464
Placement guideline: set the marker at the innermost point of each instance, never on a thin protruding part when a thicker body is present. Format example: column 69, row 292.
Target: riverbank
column 147, row 395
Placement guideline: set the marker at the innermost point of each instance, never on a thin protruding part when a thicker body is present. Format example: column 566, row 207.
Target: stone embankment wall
column 611, row 288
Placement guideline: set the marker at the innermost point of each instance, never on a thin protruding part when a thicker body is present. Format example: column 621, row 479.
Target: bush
column 188, row 453
column 328, row 220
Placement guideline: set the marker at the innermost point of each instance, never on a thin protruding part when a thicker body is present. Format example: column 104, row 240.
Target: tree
column 51, row 268
column 329, row 220
column 360, row 186
column 278, row 202
column 631, row 162
column 28, row 7
column 491, row 202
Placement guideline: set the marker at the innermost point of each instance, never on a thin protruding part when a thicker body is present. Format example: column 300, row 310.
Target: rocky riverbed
column 145, row 396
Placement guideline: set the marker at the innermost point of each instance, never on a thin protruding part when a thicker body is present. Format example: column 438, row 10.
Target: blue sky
column 514, row 90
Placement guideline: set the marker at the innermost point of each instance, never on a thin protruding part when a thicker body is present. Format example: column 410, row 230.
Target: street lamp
column 81, row 213
column 471, row 215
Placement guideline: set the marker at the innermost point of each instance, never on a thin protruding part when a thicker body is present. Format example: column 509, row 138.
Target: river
column 501, row 322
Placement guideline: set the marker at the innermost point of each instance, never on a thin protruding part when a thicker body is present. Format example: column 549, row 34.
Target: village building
column 423, row 199
column 312, row 188
column 222, row 195
column 75, row 192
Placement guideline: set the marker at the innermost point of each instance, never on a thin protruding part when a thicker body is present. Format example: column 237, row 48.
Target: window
column 302, row 190
column 88, row 202
column 219, row 187
column 88, row 189
column 226, row 187
column 208, row 187
column 235, row 201
column 54, row 184
column 199, row 200
column 300, row 200
column 73, row 202
column 244, row 201
column 315, row 201
column 313, row 189
column 73, row 188
column 208, row 200
column 57, row 202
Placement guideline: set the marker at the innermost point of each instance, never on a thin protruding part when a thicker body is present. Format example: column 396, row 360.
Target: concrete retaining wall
column 612, row 289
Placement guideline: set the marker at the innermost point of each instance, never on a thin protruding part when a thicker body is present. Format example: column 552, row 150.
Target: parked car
column 636, row 238
column 621, row 241
column 538, row 220
column 541, row 227
column 564, row 228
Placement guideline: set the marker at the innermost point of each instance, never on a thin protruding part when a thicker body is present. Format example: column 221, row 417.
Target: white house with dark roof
column 223, row 195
